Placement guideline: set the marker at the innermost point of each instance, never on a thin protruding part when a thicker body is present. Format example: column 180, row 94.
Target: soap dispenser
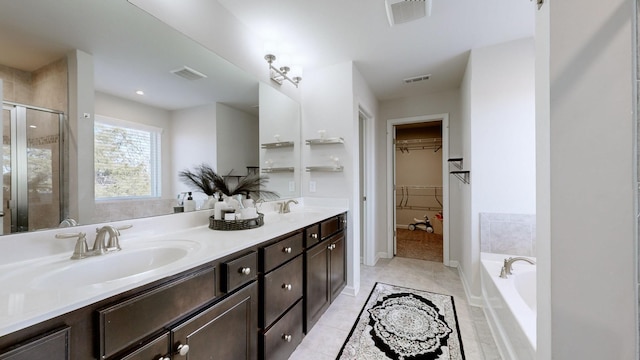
column 219, row 206
column 189, row 204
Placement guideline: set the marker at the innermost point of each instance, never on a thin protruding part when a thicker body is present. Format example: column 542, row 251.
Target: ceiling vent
column 402, row 11
column 188, row 73
column 417, row 78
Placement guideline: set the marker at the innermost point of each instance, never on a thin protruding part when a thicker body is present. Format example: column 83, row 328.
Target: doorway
column 418, row 187
column 419, row 211
column 31, row 168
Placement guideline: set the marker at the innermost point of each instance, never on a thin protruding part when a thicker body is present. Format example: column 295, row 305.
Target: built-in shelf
column 277, row 145
column 462, row 175
column 324, row 168
column 457, row 162
column 277, row 169
column 325, row 141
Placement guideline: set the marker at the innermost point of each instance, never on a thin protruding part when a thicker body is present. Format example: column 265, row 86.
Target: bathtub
column 510, row 306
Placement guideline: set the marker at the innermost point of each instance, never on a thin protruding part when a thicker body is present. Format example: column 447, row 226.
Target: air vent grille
column 402, row 11
column 188, row 73
column 417, row 78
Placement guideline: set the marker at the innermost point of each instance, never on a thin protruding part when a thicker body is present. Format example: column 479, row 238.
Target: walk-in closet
column 418, row 192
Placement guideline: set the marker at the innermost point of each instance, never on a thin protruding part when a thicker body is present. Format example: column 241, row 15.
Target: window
column 127, row 159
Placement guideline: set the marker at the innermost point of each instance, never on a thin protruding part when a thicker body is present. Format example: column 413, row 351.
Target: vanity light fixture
column 279, row 75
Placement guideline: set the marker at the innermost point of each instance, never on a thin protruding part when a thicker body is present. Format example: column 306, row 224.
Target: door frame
column 391, row 172
column 367, row 255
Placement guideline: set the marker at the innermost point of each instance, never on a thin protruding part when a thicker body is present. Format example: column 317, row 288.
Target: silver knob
column 344, row 221
column 287, row 337
column 165, row 358
column 286, row 250
column 314, row 236
column 287, row 287
column 245, row 271
column 183, row 349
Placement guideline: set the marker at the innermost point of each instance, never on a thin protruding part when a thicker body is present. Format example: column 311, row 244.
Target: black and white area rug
column 404, row 324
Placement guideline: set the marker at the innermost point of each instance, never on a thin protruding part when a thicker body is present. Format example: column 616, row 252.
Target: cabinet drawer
column 284, row 336
column 130, row 321
column 312, row 236
column 238, row 272
column 155, row 349
column 329, row 227
column 282, row 288
column 51, row 346
column 284, row 250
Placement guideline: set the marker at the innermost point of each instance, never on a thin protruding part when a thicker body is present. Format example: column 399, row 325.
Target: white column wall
column 592, row 232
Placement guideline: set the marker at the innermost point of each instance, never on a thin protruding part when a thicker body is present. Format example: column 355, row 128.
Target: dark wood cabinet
column 325, row 270
column 49, row 346
column 256, row 303
column 226, row 330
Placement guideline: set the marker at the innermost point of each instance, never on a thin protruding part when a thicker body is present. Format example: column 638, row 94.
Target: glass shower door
column 31, row 155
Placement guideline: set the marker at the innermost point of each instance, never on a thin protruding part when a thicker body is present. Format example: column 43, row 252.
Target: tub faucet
column 506, row 268
column 284, row 206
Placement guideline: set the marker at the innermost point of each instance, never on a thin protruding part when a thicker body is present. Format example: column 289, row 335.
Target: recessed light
column 140, row 92
column 33, row 126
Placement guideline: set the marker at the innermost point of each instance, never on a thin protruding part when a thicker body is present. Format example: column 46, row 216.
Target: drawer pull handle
column 344, row 221
column 245, row 271
column 287, row 337
column 165, row 358
column 331, row 247
column 314, row 236
column 287, row 287
column 287, row 250
column 183, row 349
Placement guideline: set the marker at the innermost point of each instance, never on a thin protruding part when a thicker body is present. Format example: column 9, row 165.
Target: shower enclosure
column 32, row 173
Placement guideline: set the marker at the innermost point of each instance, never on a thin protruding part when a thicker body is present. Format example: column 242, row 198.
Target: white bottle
column 189, row 204
column 217, row 209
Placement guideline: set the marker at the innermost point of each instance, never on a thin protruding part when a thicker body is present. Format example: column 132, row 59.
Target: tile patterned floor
column 326, row 338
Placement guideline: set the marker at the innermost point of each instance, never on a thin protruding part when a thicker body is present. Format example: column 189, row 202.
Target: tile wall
column 512, row 234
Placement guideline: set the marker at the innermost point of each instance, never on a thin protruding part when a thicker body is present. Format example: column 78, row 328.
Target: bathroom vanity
column 249, row 294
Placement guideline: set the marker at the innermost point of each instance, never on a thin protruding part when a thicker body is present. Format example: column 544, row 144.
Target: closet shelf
column 461, row 175
column 277, row 145
column 324, row 168
column 327, row 141
column 278, row 170
column 419, row 144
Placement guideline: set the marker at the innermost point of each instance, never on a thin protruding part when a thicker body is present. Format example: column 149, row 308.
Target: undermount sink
column 124, row 264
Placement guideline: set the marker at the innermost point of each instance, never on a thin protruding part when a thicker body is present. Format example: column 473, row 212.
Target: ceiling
column 323, row 33
column 131, row 50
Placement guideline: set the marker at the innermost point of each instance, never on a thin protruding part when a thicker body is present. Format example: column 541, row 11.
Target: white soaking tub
column 510, row 306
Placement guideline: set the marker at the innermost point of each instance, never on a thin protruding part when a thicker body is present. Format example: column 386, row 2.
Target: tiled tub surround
column 513, row 234
column 23, row 303
column 510, row 306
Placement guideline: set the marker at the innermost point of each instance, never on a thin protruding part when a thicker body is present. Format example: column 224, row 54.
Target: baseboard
column 350, row 290
column 471, row 299
column 453, row 264
column 382, row 255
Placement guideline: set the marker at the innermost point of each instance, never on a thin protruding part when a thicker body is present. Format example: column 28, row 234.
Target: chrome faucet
column 101, row 244
column 284, row 206
column 506, row 268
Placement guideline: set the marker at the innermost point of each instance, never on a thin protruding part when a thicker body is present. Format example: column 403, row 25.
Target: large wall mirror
column 79, row 142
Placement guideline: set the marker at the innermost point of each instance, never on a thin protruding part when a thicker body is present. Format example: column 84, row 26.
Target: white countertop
column 29, row 294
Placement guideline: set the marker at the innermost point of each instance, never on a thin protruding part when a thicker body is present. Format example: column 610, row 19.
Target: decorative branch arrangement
column 205, row 179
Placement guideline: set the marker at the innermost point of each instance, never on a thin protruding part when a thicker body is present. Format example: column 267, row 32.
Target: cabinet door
column 53, row 346
column 338, row 275
column 226, row 330
column 317, row 283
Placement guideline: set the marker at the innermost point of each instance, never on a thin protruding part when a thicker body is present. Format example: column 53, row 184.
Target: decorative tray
column 236, row 224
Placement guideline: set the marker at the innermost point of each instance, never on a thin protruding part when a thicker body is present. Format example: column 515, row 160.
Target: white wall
column 593, row 288
column 193, row 138
column 237, row 140
column 123, row 109
column 499, row 142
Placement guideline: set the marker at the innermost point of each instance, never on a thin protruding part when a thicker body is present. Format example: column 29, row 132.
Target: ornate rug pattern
column 404, row 324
